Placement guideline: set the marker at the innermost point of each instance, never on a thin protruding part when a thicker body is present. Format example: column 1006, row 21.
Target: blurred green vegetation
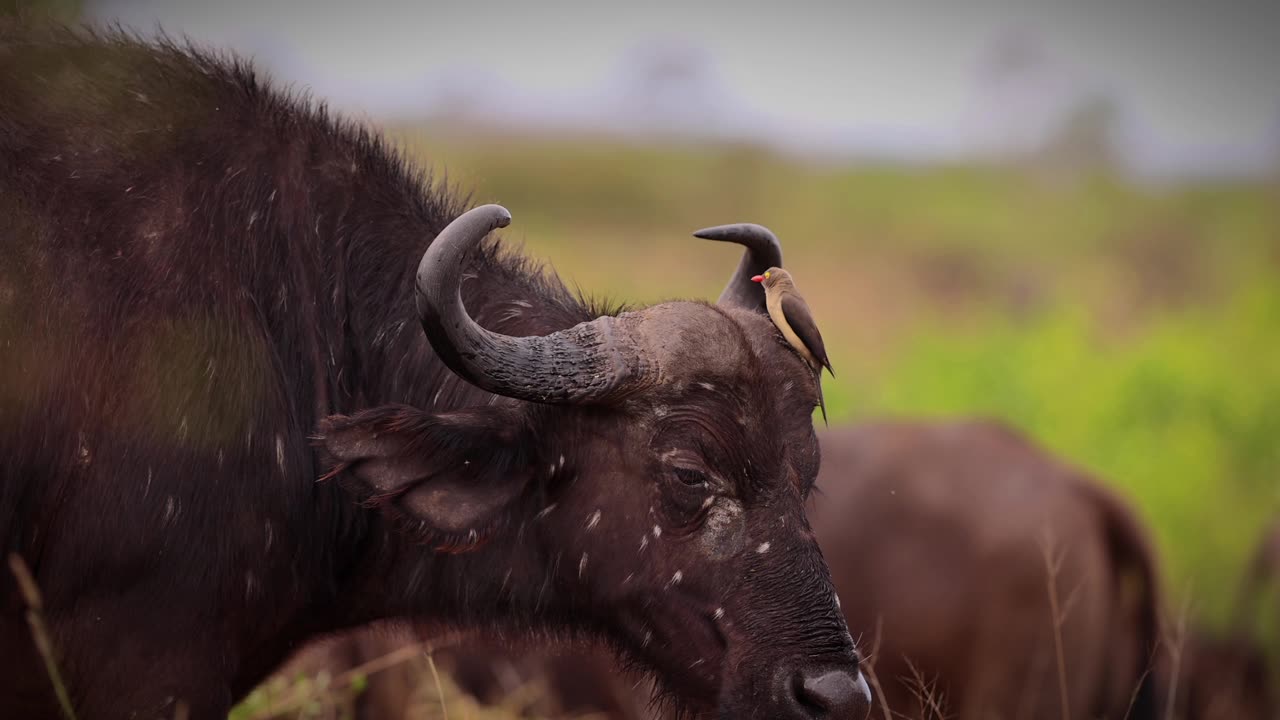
column 1133, row 329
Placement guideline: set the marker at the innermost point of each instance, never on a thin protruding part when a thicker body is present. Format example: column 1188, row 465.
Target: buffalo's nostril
column 834, row 694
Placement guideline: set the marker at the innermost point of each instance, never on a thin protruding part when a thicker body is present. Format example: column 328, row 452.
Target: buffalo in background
column 1229, row 675
column 999, row 582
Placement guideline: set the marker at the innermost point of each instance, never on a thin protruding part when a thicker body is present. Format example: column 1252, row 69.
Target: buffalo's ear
column 453, row 473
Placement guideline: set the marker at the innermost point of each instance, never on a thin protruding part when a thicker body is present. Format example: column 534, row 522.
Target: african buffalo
column 538, row 680
column 988, row 575
column 555, row 681
column 221, row 432
column 940, row 537
column 1224, row 677
column 1227, row 674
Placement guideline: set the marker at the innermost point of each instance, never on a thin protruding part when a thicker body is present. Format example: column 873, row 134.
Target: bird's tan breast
column 773, row 303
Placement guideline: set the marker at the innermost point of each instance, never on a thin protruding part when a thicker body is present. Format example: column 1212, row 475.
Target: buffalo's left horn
column 590, row 363
column 763, row 251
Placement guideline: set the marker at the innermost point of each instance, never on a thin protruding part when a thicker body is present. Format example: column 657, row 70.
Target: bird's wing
column 797, row 314
column 821, row 402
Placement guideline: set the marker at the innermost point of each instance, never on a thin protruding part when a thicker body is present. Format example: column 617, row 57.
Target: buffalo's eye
column 692, row 477
column 686, row 496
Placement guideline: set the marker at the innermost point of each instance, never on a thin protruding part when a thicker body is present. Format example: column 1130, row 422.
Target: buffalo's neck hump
column 198, row 270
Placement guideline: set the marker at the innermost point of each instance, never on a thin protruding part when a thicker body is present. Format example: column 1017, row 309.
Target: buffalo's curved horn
column 591, row 363
column 763, row 252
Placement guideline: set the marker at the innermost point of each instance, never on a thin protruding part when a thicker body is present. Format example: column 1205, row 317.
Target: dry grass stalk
column 926, row 693
column 1175, row 645
column 1137, row 688
column 435, row 675
column 35, row 618
column 1053, row 565
column 298, row 698
column 869, row 667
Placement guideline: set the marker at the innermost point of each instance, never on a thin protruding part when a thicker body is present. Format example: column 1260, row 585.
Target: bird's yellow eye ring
column 767, row 274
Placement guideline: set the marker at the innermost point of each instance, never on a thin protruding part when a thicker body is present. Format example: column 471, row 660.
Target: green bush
column 1182, row 415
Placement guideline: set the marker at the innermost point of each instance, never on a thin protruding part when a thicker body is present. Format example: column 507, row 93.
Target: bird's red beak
column 757, row 278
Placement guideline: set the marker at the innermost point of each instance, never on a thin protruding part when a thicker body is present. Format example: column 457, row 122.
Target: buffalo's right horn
column 763, row 252
column 590, row 363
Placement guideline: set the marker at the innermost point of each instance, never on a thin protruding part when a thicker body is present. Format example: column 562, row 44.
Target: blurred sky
column 1196, row 85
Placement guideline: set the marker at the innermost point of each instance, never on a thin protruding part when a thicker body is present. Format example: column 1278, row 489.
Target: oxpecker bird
column 791, row 314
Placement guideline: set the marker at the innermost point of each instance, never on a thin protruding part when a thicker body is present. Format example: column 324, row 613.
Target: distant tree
column 1085, row 141
column 673, row 89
